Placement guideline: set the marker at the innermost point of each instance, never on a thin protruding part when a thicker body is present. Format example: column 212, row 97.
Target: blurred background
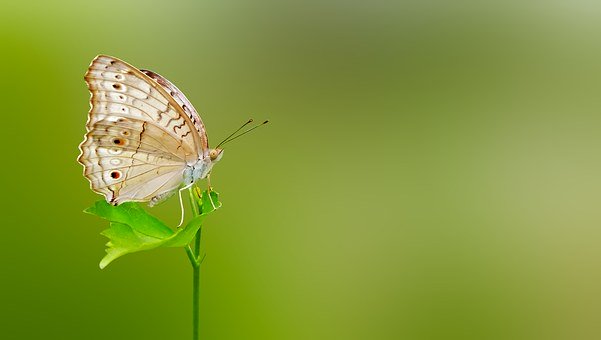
column 431, row 170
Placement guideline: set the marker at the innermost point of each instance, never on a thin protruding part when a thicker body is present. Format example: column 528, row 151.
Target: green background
column 432, row 170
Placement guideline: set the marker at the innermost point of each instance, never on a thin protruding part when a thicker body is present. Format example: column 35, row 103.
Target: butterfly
column 144, row 139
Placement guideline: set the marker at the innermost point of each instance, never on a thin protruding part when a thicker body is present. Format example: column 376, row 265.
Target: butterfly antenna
column 240, row 128
column 243, row 133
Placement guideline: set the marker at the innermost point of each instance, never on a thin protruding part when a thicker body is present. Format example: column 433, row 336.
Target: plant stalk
column 194, row 256
column 196, row 289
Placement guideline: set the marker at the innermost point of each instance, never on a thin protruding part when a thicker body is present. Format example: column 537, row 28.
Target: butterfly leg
column 209, row 190
column 181, row 203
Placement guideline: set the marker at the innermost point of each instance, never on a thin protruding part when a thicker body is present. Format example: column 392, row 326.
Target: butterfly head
column 215, row 154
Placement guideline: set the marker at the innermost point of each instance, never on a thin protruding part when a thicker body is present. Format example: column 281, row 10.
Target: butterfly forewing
column 139, row 139
column 184, row 103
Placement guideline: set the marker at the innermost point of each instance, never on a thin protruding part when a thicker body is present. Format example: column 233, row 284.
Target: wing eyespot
column 118, row 141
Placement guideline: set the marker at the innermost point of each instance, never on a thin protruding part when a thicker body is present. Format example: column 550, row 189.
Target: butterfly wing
column 138, row 140
column 184, row 103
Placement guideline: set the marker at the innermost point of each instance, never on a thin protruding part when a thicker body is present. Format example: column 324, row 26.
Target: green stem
column 191, row 256
column 196, row 291
column 194, row 256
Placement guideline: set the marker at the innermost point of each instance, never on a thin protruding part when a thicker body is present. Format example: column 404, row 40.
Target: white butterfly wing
column 184, row 103
column 139, row 140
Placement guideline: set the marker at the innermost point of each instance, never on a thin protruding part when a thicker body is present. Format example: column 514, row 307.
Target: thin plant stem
column 194, row 256
column 193, row 201
column 196, row 291
column 191, row 257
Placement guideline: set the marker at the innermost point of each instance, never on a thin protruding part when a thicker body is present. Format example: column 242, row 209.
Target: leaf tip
column 107, row 259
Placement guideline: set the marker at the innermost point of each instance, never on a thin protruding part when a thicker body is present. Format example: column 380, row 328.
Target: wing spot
column 118, row 86
column 115, row 161
column 118, row 141
column 115, row 174
column 118, row 76
column 125, row 133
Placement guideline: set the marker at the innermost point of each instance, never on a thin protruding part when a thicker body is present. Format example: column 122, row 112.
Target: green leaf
column 132, row 229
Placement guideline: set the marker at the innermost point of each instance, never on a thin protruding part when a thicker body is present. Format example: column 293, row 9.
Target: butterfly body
column 201, row 168
column 144, row 138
